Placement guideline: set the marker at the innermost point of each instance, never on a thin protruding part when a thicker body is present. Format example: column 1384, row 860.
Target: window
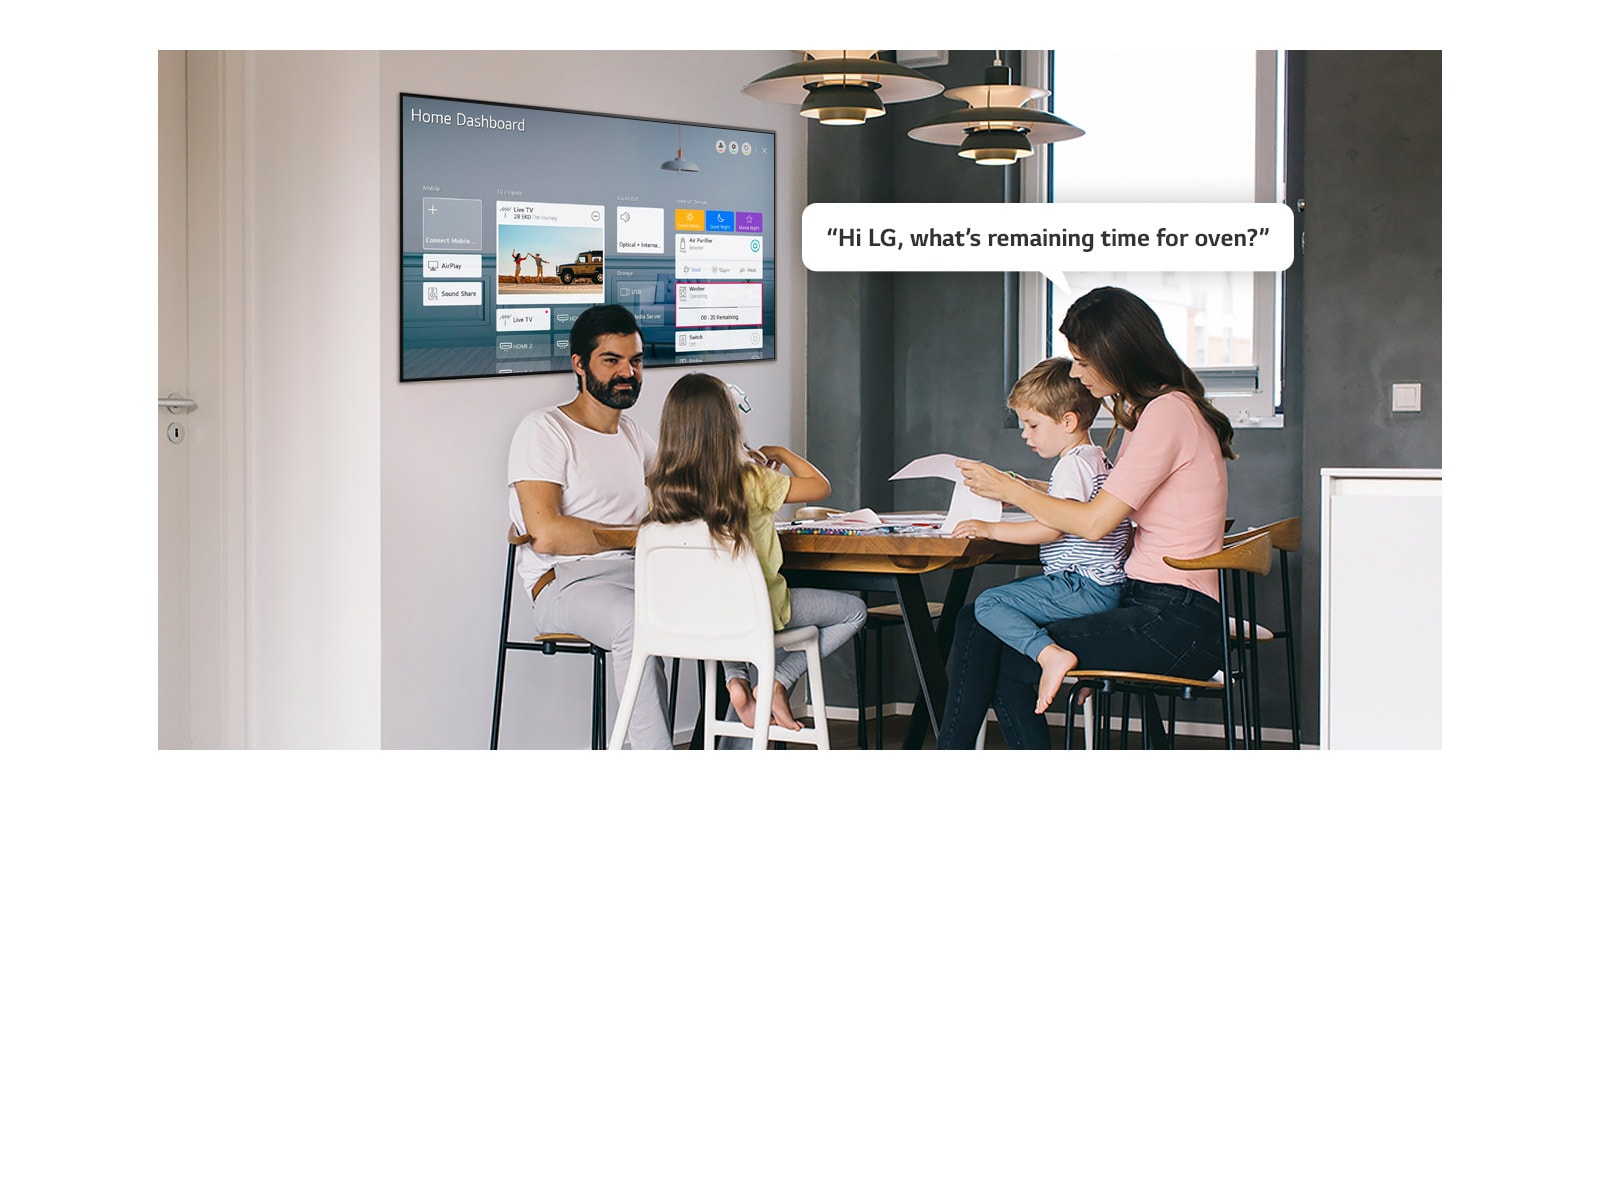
column 1171, row 126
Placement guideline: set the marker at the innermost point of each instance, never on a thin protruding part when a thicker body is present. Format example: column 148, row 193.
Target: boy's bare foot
column 1056, row 662
column 743, row 700
column 781, row 716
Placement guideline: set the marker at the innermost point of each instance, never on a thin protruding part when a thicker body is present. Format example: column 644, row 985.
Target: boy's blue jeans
column 1017, row 611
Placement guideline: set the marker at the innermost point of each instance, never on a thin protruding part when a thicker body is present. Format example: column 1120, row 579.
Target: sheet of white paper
column 860, row 518
column 943, row 466
column 967, row 505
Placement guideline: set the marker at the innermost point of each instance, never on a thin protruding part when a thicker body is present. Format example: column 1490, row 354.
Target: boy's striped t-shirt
column 1078, row 475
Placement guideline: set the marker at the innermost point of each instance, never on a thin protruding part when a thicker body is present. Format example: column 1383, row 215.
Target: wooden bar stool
column 1236, row 566
column 1285, row 537
column 551, row 644
column 558, row 643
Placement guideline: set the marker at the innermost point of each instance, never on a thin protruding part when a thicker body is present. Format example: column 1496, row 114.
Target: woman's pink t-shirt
column 1171, row 473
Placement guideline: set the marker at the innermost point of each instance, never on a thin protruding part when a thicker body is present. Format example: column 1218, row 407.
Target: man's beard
column 620, row 393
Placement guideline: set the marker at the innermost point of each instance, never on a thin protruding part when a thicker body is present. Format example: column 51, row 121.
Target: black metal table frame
column 929, row 643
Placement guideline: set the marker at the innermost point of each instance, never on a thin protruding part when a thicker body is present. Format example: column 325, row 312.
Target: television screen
column 514, row 219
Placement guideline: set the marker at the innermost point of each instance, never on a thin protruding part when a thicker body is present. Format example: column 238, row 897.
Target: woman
column 1169, row 479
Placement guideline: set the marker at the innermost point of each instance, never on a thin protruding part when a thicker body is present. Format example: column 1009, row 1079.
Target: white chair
column 692, row 597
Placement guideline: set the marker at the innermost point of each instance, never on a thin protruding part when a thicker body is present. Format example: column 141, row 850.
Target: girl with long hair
column 704, row 471
column 1170, row 479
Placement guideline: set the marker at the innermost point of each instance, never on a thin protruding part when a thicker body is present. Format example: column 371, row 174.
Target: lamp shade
column 995, row 147
column 997, row 126
column 954, row 127
column 842, row 85
column 678, row 163
column 829, row 103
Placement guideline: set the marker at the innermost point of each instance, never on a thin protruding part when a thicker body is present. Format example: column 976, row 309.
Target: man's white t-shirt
column 601, row 477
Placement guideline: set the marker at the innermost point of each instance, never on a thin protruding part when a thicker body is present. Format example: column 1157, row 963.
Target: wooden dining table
column 895, row 563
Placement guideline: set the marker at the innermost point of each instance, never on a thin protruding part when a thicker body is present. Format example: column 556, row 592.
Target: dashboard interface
column 514, row 219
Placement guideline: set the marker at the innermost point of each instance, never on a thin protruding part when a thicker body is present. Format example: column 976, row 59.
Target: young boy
column 1081, row 577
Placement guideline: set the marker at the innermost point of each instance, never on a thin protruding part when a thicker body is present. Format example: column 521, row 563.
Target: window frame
column 1264, row 406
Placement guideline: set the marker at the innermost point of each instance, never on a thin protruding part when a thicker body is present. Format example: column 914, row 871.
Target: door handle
column 173, row 405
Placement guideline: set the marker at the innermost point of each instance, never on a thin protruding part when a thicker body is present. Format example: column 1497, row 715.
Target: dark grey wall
column 1371, row 285
column 896, row 362
column 903, row 365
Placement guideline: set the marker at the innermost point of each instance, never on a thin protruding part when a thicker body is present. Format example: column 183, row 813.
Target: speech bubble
column 1055, row 238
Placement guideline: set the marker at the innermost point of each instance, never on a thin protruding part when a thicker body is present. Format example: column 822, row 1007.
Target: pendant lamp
column 997, row 126
column 842, row 86
column 678, row 163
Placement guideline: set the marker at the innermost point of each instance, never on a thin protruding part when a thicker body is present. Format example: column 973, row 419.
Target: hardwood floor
column 843, row 734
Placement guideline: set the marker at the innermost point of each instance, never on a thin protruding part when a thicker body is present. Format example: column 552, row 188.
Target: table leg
column 930, row 651
column 720, row 705
column 930, row 645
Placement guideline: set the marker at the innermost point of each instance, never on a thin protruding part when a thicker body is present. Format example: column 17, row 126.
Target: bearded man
column 580, row 467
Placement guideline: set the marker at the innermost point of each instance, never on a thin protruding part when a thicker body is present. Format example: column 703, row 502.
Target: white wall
column 375, row 512
column 313, row 305
column 443, row 443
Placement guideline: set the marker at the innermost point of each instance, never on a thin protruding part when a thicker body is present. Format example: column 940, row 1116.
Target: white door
column 200, row 533
column 172, row 366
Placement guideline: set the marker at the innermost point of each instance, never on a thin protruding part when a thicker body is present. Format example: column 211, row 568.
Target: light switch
column 1405, row 396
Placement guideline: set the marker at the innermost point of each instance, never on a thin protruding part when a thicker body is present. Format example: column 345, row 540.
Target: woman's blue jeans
column 1160, row 628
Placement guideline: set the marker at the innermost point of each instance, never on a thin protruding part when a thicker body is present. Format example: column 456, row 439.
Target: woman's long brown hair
column 1118, row 333
column 700, row 460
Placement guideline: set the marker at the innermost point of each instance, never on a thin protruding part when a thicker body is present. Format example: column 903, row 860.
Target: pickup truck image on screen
column 503, row 245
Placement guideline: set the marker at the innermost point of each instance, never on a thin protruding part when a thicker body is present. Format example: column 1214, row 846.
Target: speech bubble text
column 1050, row 237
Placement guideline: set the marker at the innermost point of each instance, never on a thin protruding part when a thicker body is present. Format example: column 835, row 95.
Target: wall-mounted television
column 514, row 219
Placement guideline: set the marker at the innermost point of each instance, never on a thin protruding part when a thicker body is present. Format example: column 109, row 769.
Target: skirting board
column 845, row 713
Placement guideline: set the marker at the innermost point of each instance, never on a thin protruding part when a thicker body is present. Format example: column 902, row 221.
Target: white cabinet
column 1382, row 633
